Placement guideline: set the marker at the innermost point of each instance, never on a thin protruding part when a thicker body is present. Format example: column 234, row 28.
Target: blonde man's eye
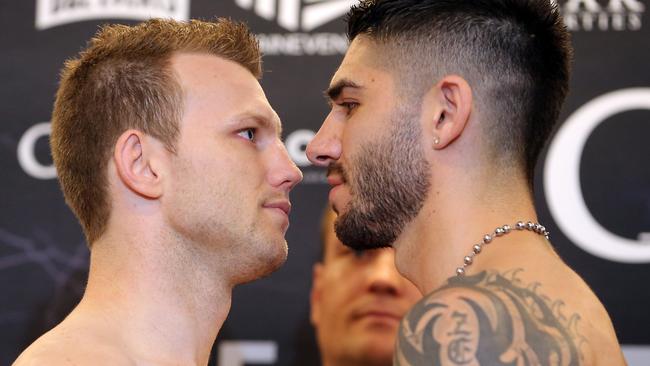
column 248, row 134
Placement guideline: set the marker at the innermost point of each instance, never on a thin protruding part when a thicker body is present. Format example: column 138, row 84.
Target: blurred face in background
column 357, row 301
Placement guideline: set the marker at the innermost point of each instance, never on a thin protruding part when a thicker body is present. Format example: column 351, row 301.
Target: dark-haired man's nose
column 325, row 148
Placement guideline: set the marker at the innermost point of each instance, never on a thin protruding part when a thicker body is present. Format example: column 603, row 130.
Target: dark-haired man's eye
column 349, row 106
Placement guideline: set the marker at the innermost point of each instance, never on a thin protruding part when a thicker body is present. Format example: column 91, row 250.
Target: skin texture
column 185, row 228
column 467, row 197
column 357, row 301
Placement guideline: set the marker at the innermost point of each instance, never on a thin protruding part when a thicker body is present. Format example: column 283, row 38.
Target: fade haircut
column 515, row 55
column 123, row 80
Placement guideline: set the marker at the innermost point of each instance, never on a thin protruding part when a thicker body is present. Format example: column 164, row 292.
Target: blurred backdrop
column 592, row 188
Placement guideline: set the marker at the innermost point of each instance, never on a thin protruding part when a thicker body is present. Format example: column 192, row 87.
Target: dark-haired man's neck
column 457, row 213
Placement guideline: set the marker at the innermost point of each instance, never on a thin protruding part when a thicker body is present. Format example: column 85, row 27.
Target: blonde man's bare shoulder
column 65, row 347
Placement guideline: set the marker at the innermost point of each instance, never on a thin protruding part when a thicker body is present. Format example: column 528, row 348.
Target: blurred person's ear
column 316, row 294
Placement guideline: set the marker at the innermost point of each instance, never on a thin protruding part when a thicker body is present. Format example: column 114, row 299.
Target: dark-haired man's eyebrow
column 335, row 90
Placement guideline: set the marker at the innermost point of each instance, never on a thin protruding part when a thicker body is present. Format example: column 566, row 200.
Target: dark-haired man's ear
column 135, row 162
column 453, row 98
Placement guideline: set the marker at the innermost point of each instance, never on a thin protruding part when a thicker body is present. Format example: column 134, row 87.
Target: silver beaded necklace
column 499, row 231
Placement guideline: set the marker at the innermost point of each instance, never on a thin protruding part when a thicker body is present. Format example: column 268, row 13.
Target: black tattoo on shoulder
column 489, row 319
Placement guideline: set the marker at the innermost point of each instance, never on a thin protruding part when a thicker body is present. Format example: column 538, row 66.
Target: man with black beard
column 439, row 112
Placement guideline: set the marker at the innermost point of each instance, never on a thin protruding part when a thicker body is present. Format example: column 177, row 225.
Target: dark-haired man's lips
column 334, row 180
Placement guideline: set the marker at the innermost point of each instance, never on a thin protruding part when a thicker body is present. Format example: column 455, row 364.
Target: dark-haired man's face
column 373, row 148
column 388, row 184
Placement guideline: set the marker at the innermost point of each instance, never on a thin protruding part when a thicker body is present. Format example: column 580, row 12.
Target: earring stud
column 436, row 140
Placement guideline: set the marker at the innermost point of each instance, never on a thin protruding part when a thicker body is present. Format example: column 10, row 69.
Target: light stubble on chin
column 389, row 183
column 210, row 218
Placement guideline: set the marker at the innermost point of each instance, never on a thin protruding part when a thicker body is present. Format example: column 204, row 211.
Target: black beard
column 390, row 181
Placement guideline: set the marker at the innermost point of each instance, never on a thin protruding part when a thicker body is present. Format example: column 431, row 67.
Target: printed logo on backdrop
column 51, row 13
column 562, row 179
column 602, row 15
column 300, row 18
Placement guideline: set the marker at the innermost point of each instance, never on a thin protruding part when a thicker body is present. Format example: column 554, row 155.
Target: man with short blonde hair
column 123, row 80
column 169, row 154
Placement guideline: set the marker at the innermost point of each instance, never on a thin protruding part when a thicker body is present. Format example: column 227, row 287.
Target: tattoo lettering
column 460, row 350
column 488, row 319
